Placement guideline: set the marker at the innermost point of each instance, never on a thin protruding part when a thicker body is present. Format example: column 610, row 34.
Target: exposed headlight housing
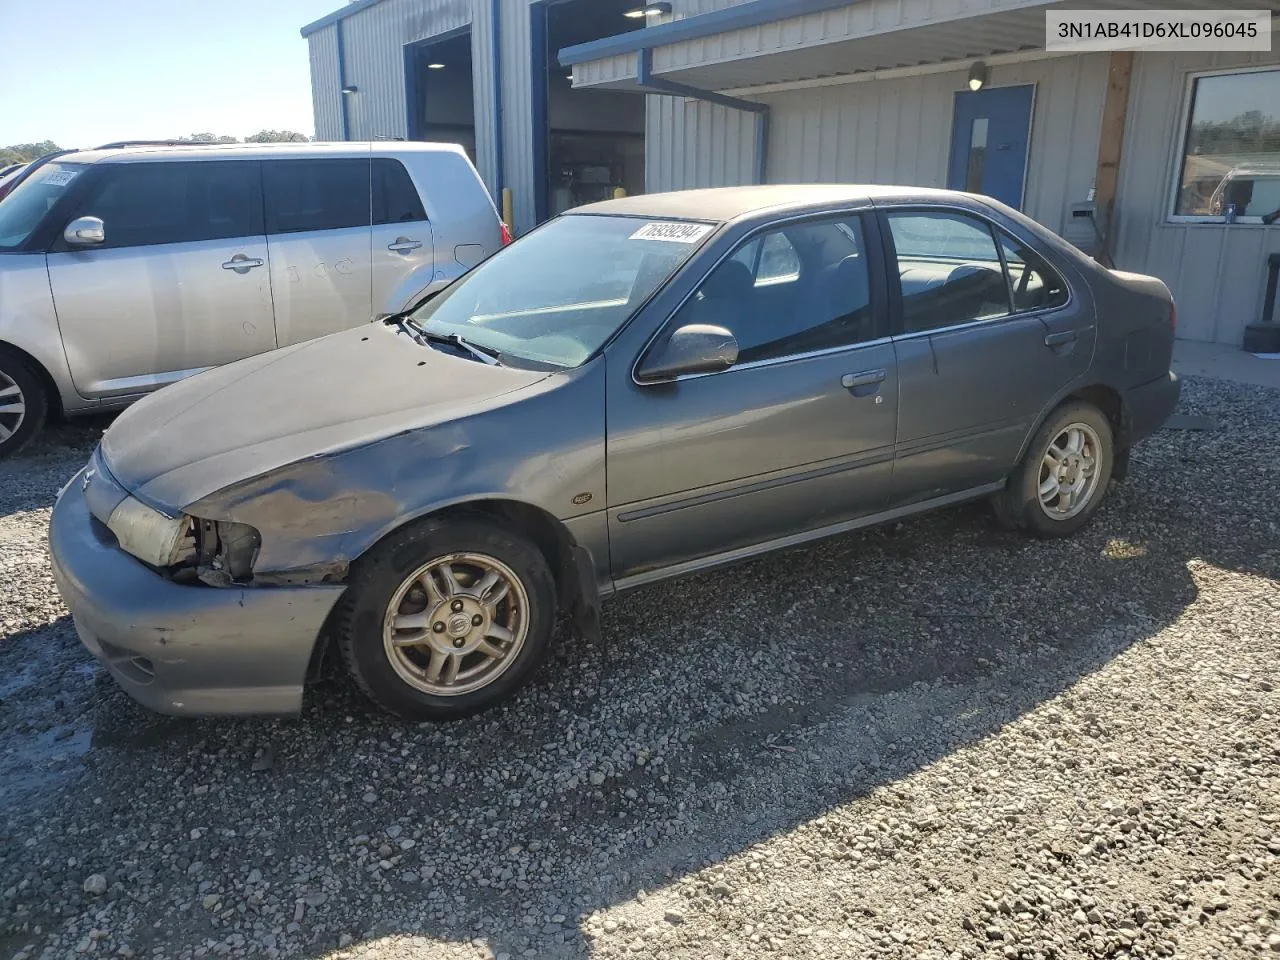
column 148, row 534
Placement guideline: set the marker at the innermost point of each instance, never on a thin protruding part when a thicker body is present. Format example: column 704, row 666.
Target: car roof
column 721, row 204
column 258, row 151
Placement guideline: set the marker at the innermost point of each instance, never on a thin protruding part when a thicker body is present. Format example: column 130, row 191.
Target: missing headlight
column 224, row 552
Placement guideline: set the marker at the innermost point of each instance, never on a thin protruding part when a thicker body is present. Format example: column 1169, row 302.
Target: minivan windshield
column 557, row 295
column 23, row 209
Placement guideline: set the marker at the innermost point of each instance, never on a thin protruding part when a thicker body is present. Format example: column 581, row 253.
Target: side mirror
column 85, row 232
column 693, row 348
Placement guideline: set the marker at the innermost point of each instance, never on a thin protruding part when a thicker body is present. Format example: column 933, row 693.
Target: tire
column 443, row 629
column 1079, row 492
column 24, row 403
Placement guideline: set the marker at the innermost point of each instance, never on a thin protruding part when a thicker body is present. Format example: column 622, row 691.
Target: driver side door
column 797, row 436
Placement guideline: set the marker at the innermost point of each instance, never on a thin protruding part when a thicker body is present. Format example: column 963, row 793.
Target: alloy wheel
column 13, row 407
column 1069, row 471
column 456, row 624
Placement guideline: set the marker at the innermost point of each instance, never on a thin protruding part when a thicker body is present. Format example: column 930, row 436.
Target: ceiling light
column 978, row 76
column 435, row 66
column 649, row 10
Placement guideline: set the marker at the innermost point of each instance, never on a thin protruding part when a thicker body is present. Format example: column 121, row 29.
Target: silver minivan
column 124, row 270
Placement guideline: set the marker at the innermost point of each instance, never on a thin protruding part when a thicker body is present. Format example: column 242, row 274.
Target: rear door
column 318, row 220
column 987, row 333
column 403, row 254
column 180, row 284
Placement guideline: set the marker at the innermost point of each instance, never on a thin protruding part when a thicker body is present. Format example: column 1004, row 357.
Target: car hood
column 247, row 418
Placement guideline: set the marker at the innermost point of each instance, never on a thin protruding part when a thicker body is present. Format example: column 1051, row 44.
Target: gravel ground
column 933, row 740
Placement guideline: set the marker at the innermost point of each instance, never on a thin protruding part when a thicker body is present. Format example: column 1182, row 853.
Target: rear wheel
column 23, row 403
column 446, row 618
column 1061, row 482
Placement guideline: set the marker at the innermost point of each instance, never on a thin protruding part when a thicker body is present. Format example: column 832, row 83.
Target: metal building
column 1177, row 156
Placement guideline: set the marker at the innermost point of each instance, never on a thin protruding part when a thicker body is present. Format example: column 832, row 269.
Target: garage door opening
column 587, row 143
column 439, row 90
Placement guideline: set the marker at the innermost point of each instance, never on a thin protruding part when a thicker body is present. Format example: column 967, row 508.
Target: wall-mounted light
column 435, row 66
column 350, row 88
column 978, row 74
column 649, row 10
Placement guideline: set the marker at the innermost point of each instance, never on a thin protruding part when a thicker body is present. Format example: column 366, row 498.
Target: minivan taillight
column 1173, row 316
column 506, row 233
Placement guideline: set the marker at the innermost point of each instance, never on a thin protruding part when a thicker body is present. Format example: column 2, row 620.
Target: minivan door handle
column 1061, row 338
column 242, row 264
column 404, row 245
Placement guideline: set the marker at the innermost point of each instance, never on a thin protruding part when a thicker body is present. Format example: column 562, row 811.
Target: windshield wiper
column 422, row 335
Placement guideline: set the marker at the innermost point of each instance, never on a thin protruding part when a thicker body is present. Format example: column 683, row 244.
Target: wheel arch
column 53, row 396
column 1107, row 399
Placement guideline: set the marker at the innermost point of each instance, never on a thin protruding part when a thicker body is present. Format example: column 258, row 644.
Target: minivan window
column 554, row 297
column 26, row 206
column 303, row 196
column 395, row 198
column 149, row 203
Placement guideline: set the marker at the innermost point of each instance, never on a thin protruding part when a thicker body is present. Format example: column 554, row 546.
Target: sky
column 84, row 72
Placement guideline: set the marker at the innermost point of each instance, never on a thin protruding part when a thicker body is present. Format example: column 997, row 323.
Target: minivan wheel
column 446, row 618
column 1064, row 476
column 23, row 404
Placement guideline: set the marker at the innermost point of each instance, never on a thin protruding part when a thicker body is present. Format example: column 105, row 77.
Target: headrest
column 731, row 280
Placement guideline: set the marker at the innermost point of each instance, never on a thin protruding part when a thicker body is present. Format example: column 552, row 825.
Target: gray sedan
column 639, row 389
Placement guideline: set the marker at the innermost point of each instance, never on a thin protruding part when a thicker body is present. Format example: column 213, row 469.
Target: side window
column 143, row 204
column 790, row 291
column 303, row 196
column 1035, row 284
column 949, row 268
column 395, row 198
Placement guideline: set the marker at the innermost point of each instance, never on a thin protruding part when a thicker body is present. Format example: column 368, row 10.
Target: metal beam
column 342, row 81
column 660, row 85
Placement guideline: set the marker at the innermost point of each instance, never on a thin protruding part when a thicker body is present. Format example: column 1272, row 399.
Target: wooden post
column 1110, row 145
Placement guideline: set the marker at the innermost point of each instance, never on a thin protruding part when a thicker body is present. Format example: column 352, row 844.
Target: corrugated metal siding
column 691, row 143
column 326, row 91
column 373, row 40
column 1217, row 273
column 517, row 108
column 898, row 131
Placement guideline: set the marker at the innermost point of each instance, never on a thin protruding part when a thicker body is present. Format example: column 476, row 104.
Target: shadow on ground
column 686, row 738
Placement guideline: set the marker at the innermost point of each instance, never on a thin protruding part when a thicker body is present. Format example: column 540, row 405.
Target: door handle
column 1061, row 338
column 404, row 245
column 242, row 264
column 851, row 381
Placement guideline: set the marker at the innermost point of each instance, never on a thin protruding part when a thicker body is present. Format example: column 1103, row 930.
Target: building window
column 1231, row 152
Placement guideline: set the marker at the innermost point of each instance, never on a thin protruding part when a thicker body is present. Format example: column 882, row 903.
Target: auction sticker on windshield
column 60, row 178
column 673, row 232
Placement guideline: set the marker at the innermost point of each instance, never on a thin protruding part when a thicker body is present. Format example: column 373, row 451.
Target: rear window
column 395, row 198
column 304, row 196
column 27, row 204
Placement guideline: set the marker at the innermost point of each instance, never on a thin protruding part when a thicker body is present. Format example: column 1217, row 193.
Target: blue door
column 989, row 142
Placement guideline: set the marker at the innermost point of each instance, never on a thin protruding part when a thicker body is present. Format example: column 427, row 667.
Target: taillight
column 506, row 233
column 1173, row 316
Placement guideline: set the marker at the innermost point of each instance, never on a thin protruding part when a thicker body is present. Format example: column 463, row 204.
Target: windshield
column 25, row 207
column 557, row 295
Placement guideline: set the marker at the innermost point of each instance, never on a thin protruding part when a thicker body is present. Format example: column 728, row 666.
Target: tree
column 277, row 136
column 207, row 138
column 22, row 152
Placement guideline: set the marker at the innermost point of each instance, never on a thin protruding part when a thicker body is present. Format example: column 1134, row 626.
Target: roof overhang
column 764, row 42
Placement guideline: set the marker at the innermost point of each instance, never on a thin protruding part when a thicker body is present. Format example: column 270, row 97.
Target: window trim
column 871, row 227
column 1182, row 132
column 897, row 332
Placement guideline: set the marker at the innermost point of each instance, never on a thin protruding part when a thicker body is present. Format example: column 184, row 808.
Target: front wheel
column 23, row 403
column 1061, row 481
column 446, row 618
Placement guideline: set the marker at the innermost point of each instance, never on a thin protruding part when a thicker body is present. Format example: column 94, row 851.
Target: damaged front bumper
column 183, row 649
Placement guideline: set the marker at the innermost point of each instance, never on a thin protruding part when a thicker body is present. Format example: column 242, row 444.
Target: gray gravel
column 933, row 740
